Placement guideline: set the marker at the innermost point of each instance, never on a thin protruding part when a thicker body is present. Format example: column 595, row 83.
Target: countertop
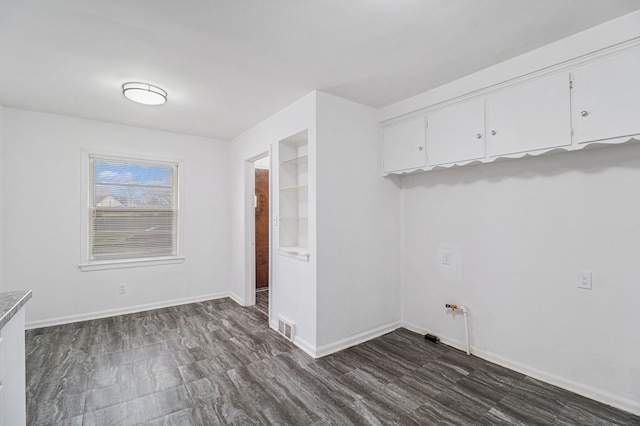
column 10, row 304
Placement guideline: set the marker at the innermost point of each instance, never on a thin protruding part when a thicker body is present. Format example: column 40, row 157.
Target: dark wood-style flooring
column 262, row 301
column 216, row 362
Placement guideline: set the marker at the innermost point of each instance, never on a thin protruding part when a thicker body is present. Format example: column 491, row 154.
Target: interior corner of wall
column 239, row 300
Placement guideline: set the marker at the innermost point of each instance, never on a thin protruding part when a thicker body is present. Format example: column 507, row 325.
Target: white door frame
column 250, row 228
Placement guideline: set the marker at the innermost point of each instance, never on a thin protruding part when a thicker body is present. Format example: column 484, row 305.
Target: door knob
column 493, row 132
column 584, row 113
column 479, row 136
column 419, row 148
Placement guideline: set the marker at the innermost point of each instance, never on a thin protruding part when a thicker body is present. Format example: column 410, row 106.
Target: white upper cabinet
column 403, row 145
column 590, row 99
column 456, row 133
column 606, row 98
column 528, row 117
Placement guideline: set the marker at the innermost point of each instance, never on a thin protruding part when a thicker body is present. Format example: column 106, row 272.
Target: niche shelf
column 294, row 196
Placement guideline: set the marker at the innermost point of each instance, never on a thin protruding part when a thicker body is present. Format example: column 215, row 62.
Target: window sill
column 130, row 263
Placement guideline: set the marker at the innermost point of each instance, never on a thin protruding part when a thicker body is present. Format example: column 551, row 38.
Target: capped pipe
column 463, row 309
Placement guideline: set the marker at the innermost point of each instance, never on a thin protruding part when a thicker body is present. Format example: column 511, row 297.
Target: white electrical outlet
column 122, row 289
column 584, row 280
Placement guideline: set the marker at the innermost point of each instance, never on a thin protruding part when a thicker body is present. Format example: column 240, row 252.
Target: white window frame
column 96, row 265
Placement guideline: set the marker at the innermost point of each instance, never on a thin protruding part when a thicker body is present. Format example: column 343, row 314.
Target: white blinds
column 132, row 209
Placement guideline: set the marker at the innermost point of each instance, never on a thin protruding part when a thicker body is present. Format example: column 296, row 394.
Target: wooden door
column 262, row 229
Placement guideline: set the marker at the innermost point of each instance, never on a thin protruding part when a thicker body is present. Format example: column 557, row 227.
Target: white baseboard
column 339, row 345
column 356, row 340
column 604, row 397
column 590, row 392
column 305, row 346
column 239, row 300
column 449, row 342
column 121, row 311
column 301, row 343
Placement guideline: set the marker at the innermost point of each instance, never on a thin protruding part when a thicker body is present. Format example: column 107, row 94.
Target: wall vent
column 285, row 328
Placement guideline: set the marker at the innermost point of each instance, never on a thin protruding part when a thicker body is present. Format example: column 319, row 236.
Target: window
column 132, row 210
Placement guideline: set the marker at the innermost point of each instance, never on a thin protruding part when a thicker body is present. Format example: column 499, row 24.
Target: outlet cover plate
column 584, row 280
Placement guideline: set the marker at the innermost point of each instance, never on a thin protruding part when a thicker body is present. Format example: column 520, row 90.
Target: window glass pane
column 133, row 213
column 133, row 196
column 109, row 171
column 119, row 184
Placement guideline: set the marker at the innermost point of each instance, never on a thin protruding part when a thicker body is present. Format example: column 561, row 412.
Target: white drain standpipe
column 463, row 309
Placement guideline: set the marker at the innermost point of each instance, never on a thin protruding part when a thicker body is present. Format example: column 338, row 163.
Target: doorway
column 261, row 204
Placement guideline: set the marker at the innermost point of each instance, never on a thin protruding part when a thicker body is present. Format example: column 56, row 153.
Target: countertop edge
column 10, row 303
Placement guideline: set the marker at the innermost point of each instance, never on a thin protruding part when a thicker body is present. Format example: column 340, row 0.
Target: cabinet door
column 13, row 379
column 456, row 133
column 403, row 145
column 606, row 98
column 534, row 115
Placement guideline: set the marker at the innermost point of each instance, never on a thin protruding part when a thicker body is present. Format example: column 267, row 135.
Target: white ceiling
column 229, row 64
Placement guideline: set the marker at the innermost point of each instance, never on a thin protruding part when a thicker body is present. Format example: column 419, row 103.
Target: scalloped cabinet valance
column 574, row 105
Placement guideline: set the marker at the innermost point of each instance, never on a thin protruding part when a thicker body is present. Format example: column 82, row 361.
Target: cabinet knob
column 419, row 148
column 493, row 132
column 479, row 136
column 584, row 113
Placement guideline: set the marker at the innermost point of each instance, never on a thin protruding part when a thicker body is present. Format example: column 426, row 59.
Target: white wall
column 1, row 198
column 41, row 171
column 358, row 216
column 519, row 233
column 615, row 32
column 350, row 288
column 293, row 283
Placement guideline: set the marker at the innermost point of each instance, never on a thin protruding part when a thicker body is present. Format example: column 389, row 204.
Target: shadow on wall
column 592, row 159
column 396, row 179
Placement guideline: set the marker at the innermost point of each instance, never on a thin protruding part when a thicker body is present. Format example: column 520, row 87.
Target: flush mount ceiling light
column 144, row 93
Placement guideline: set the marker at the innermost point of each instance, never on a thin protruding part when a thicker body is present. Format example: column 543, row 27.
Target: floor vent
column 285, row 328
